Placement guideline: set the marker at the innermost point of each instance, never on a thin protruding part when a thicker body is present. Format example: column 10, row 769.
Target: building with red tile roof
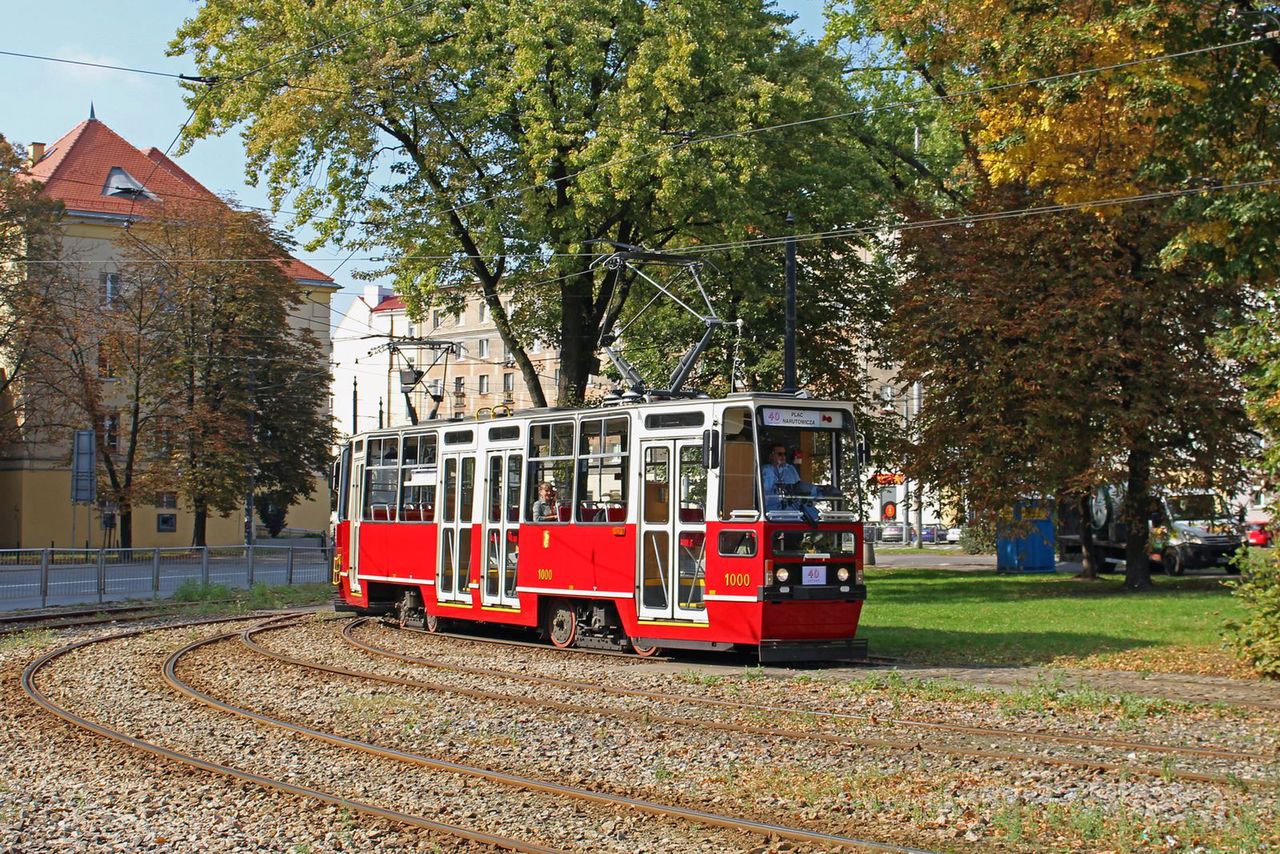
column 104, row 183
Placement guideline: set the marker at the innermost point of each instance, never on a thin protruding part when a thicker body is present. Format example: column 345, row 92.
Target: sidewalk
column 933, row 558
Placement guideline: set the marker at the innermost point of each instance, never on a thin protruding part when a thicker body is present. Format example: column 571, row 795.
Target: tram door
column 355, row 513
column 457, row 491
column 501, row 529
column 673, row 531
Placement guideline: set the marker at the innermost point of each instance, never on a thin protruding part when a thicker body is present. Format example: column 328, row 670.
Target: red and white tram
column 658, row 535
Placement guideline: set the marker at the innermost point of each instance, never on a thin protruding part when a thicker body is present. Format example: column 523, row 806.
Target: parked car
column 953, row 534
column 1258, row 533
column 894, row 532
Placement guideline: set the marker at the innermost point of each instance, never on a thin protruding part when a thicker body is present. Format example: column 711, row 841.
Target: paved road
column 78, row 583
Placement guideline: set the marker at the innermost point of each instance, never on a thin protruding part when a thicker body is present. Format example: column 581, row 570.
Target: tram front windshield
column 806, row 468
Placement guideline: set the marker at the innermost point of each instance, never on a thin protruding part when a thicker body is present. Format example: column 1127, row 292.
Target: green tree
column 490, row 143
column 250, row 389
column 104, row 362
column 1131, row 385
column 29, row 250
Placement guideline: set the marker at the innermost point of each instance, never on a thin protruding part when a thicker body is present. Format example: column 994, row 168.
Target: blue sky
column 40, row 101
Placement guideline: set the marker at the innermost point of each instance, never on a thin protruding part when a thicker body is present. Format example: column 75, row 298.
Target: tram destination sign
column 822, row 419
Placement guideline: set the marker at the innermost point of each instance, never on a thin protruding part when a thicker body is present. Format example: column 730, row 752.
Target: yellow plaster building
column 104, row 182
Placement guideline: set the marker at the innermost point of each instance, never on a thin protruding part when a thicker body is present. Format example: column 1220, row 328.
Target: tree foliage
column 29, row 246
column 489, row 143
column 1082, row 347
column 249, row 390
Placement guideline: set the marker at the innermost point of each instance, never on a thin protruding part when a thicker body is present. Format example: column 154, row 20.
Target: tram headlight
column 857, row 577
column 842, row 574
column 781, row 575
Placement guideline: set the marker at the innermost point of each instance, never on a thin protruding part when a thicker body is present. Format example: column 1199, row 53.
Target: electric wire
column 745, row 132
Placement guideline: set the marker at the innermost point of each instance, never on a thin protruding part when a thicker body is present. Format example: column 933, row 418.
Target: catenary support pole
column 789, row 383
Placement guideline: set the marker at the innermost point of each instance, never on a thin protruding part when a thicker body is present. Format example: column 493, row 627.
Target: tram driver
column 544, row 509
column 780, row 479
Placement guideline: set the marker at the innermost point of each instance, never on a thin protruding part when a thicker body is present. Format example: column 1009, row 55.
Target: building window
column 123, row 185
column 166, row 523
column 106, row 370
column 484, row 311
column 482, row 348
column 508, row 383
column 413, row 332
column 166, row 500
column 437, row 386
column 457, row 385
column 437, row 318
column 506, row 352
column 109, row 288
column 484, row 383
column 110, row 430
column 536, row 346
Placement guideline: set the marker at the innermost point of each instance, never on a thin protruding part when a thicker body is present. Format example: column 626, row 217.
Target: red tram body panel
column 701, row 524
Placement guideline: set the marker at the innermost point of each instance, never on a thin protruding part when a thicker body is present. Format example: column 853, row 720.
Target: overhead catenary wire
column 849, row 231
column 658, row 151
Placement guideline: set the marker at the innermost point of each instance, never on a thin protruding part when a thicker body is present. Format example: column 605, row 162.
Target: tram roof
column 619, row 406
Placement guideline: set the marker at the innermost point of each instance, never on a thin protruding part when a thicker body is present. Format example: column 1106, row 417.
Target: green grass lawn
column 950, row 617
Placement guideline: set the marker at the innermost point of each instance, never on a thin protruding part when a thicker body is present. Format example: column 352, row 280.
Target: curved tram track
column 40, row 670
column 1165, row 771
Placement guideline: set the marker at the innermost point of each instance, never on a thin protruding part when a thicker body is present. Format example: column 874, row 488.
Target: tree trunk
column 125, row 521
column 199, row 524
column 1137, row 501
column 577, row 342
column 1088, row 550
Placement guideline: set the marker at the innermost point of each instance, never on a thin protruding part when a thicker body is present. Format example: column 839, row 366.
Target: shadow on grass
column 979, row 649
column 904, row 586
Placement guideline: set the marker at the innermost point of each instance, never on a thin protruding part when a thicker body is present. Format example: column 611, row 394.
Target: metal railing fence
column 38, row 578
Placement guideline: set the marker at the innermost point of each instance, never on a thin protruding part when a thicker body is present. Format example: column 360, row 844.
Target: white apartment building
column 478, row 375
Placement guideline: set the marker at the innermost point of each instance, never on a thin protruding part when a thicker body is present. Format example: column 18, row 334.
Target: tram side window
column 550, row 462
column 602, row 471
column 381, row 479
column 418, row 479
column 738, row 466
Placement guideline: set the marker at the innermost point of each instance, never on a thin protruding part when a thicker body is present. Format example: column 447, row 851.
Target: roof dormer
column 121, row 185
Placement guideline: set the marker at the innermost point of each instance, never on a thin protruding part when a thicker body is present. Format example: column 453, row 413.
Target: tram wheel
column 562, row 628
column 432, row 623
column 645, row 651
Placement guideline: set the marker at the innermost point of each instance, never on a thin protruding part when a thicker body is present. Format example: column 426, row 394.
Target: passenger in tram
column 544, row 509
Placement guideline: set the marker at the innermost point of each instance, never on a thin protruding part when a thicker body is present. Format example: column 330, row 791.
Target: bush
column 978, row 539
column 1256, row 639
column 191, row 590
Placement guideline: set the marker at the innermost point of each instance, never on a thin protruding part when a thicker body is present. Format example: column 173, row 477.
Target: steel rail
column 1032, row 735
column 749, row 826
column 41, row 699
column 807, row 735
column 72, row 618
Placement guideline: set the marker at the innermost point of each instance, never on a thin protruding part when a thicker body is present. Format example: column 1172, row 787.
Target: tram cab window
column 602, row 471
column 813, row 442
column 738, row 466
column 550, row 462
column 381, row 475
column 418, row 475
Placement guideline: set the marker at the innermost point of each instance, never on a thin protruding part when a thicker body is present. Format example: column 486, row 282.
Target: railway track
column 42, row 669
column 84, row 617
column 1163, row 771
